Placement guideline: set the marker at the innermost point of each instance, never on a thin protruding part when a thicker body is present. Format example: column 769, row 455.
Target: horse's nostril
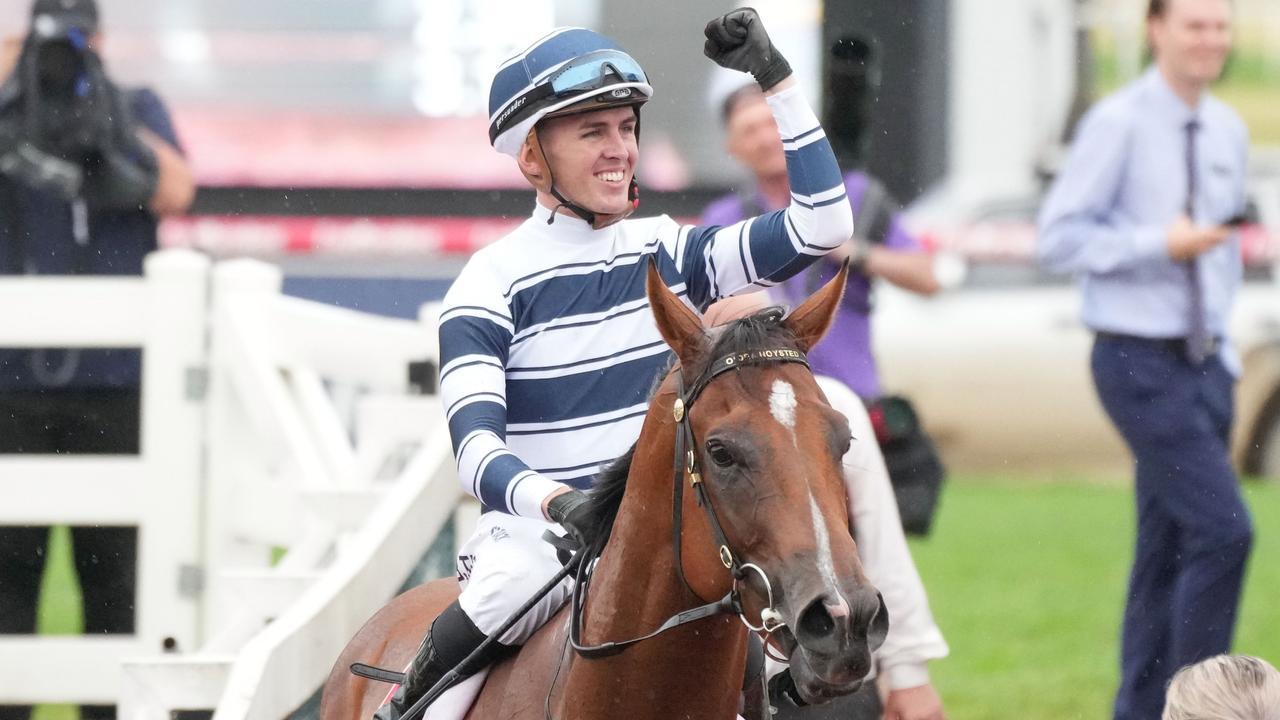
column 816, row 621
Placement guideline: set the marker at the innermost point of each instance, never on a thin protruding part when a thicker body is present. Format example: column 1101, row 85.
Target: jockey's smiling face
column 593, row 156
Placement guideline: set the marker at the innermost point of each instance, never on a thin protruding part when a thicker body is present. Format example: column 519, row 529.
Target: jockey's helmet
column 568, row 71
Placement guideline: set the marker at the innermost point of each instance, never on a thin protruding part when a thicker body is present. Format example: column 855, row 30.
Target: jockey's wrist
column 546, row 501
column 906, row 675
column 782, row 86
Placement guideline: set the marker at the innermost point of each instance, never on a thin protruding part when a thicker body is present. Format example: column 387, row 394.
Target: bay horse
column 773, row 533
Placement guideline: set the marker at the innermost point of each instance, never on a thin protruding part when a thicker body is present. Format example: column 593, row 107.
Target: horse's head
column 768, row 450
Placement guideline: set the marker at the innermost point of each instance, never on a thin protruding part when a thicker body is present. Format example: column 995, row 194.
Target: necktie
column 1198, row 334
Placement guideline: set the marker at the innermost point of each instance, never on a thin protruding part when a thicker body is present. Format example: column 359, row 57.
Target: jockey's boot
column 450, row 640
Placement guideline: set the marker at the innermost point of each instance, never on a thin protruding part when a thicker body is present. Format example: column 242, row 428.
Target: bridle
column 686, row 465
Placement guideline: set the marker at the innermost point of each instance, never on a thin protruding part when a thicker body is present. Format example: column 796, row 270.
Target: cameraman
column 86, row 168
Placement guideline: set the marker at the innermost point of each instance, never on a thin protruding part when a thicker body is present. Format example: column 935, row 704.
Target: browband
column 729, row 362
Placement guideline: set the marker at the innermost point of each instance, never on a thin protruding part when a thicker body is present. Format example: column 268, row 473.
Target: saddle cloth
column 455, row 702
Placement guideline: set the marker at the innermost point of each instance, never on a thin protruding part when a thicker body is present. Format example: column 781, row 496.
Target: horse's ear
column 813, row 318
column 680, row 326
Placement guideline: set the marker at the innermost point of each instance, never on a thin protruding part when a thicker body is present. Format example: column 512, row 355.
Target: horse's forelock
column 763, row 330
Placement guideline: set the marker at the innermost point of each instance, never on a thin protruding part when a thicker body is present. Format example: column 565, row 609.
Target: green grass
column 1027, row 582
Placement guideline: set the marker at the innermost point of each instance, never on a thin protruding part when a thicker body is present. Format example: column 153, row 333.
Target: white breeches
column 501, row 566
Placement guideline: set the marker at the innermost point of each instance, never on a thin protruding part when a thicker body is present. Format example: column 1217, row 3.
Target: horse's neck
column 693, row 671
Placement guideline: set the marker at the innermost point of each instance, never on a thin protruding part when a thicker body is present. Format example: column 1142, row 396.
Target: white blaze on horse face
column 826, row 563
column 782, row 404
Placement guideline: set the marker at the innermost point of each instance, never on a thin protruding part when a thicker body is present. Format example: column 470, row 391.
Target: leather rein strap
column 686, row 464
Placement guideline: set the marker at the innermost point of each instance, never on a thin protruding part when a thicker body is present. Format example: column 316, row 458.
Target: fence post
column 169, row 596
column 237, row 459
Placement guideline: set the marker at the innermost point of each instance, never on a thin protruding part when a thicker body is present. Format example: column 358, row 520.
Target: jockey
column 548, row 349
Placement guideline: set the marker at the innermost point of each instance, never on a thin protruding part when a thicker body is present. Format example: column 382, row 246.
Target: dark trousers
column 67, row 421
column 1193, row 528
column 861, row 705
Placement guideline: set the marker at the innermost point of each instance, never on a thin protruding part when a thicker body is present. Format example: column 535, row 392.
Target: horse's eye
column 719, row 454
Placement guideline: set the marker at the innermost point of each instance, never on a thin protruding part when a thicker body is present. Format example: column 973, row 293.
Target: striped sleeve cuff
column 796, row 120
column 528, row 492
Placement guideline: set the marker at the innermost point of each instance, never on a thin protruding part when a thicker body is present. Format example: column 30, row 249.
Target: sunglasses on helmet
column 592, row 71
column 580, row 76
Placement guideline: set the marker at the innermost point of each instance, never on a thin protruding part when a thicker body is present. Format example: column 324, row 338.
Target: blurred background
column 290, row 113
column 345, row 142
column 348, row 145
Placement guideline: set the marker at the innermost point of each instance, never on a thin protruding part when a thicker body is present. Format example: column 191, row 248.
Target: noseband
column 686, row 465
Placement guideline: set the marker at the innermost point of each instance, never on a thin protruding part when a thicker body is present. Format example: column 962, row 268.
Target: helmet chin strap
column 594, row 219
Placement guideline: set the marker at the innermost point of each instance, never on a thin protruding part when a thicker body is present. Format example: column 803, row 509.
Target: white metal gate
column 288, row 481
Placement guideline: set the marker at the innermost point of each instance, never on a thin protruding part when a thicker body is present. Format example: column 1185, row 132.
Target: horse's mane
column 763, row 330
column 605, row 498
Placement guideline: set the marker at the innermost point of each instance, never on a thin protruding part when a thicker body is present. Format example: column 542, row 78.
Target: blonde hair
column 1224, row 687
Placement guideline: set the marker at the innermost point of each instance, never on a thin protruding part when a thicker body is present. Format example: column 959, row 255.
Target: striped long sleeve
column 718, row 261
column 476, row 329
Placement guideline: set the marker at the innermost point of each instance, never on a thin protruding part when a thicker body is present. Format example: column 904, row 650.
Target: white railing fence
column 155, row 490
column 289, row 480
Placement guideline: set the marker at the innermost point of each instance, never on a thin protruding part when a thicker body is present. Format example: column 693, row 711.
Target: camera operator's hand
column 38, row 170
column 737, row 40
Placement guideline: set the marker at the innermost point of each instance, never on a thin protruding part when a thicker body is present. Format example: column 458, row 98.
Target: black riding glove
column 571, row 510
column 737, row 40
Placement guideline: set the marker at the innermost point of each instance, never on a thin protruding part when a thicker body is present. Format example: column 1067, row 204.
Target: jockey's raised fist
column 737, row 40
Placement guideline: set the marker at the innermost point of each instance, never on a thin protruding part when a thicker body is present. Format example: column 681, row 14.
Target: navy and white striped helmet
column 565, row 67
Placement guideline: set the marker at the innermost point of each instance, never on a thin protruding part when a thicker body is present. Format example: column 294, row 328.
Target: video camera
column 65, row 128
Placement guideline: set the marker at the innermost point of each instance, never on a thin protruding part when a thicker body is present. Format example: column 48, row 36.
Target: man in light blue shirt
column 1140, row 212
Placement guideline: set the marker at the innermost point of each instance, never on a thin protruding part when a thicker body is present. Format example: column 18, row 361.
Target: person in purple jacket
column 880, row 247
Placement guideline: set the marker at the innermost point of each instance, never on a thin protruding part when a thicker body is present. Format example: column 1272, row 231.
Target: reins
column 686, row 465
